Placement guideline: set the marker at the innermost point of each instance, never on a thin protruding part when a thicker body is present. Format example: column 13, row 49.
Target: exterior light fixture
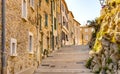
column 102, row 3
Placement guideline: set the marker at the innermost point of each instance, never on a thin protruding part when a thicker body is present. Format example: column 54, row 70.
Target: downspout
column 3, row 50
column 61, row 23
column 52, row 12
column 37, row 27
column 82, row 37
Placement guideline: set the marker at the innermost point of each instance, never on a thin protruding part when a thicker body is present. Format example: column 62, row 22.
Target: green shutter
column 46, row 19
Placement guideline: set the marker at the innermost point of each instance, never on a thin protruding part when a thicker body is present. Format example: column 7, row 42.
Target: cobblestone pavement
column 67, row 60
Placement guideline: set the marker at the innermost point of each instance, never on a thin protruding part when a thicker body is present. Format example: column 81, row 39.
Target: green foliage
column 88, row 63
column 97, row 72
column 109, row 60
column 118, row 48
column 106, row 68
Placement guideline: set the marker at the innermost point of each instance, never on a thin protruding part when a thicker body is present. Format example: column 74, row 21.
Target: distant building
column 85, row 34
column 76, row 32
column 64, row 17
column 71, row 28
column 35, row 28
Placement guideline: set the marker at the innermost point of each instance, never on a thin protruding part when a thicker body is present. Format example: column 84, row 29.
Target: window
column 30, row 44
column 47, row 1
column 39, row 2
column 86, row 37
column 86, row 30
column 46, row 19
column 13, row 47
column 62, row 7
column 40, row 22
column 32, row 3
column 24, row 9
column 55, row 26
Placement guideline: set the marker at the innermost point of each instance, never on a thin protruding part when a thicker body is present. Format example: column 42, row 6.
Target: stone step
column 62, row 73
column 63, row 70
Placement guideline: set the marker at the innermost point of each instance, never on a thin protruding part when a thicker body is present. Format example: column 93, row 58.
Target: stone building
column 64, row 17
column 59, row 23
column 85, row 34
column 76, row 32
column 21, row 36
column 71, row 28
column 35, row 28
column 55, row 12
column 45, row 26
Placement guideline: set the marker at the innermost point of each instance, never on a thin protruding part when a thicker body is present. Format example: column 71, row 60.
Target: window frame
column 30, row 45
column 32, row 3
column 46, row 19
column 24, row 7
column 13, row 52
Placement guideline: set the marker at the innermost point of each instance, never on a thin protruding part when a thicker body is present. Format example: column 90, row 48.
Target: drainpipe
column 82, row 37
column 61, row 23
column 52, row 12
column 3, row 50
column 38, row 51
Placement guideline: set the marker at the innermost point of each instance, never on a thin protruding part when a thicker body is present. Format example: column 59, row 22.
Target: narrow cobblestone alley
column 67, row 60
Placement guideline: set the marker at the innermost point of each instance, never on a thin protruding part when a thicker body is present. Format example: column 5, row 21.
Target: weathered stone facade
column 33, row 30
column 85, row 34
column 18, row 28
column 64, row 17
column 45, row 26
column 105, row 56
column 76, row 32
column 71, row 28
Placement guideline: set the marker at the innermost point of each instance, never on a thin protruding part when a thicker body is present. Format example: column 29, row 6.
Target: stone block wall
column 19, row 29
column 105, row 54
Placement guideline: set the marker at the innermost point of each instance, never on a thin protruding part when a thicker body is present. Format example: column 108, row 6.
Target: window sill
column 32, row 7
column 25, row 19
column 46, row 26
column 13, row 55
column 31, row 53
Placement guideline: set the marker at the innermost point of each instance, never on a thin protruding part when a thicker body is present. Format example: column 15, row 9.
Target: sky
column 84, row 10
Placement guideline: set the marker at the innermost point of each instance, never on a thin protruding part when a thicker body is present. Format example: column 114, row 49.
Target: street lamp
column 102, row 3
column 3, row 51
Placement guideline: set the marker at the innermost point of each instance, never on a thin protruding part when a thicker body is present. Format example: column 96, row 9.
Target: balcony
column 65, row 27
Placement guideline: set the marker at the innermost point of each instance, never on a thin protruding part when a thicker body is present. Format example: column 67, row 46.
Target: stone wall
column 19, row 29
column 45, row 8
column 105, row 54
column 85, row 34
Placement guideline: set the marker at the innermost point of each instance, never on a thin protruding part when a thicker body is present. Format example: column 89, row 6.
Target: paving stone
column 67, row 60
